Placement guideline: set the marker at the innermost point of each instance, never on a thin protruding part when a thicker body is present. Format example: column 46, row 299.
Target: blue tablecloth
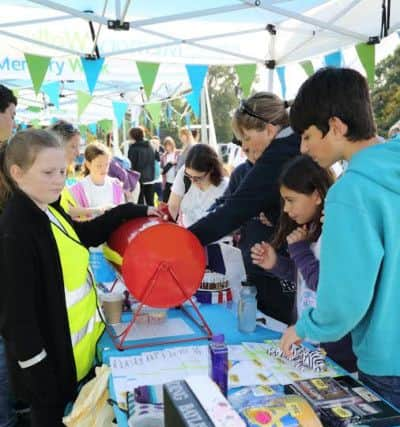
column 220, row 318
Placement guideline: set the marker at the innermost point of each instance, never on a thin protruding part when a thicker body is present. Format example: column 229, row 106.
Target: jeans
column 387, row 387
column 8, row 417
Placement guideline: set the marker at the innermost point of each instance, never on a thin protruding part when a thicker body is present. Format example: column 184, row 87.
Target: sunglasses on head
column 245, row 109
column 65, row 128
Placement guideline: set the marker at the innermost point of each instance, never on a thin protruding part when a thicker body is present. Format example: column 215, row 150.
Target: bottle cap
column 220, row 338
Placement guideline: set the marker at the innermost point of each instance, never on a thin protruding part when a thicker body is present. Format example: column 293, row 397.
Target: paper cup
column 112, row 306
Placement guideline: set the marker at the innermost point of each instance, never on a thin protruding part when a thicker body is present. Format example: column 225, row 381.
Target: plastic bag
column 91, row 408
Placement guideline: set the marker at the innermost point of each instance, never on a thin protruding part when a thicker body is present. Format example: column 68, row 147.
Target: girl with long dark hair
column 303, row 186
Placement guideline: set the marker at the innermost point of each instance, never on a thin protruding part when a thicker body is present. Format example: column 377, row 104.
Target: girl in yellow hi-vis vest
column 48, row 307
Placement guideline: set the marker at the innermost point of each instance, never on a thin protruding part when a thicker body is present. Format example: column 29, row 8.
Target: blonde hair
column 184, row 131
column 259, row 110
column 22, row 150
column 170, row 141
column 92, row 151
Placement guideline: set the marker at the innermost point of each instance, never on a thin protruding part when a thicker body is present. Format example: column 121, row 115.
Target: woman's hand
column 289, row 337
column 264, row 255
column 297, row 235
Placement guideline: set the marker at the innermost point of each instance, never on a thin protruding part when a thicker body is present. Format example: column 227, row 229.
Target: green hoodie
column 359, row 282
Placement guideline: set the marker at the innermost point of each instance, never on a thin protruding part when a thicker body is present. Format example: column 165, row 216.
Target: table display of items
column 343, row 401
column 214, row 289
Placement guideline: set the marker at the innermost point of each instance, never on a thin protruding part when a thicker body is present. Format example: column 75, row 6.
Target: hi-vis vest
column 84, row 322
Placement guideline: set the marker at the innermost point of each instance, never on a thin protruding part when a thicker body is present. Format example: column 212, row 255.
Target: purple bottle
column 218, row 362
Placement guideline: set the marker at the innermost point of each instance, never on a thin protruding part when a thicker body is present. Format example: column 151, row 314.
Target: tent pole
column 211, row 128
column 118, row 10
column 270, row 64
column 203, row 116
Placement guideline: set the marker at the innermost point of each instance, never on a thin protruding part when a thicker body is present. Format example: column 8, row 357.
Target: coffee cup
column 112, row 306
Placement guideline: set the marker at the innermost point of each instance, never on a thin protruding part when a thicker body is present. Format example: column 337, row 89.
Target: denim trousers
column 8, row 417
column 387, row 387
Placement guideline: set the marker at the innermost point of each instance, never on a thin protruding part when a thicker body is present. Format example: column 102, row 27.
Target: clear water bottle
column 247, row 309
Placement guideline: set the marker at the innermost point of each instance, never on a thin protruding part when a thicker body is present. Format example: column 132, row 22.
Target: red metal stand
column 119, row 340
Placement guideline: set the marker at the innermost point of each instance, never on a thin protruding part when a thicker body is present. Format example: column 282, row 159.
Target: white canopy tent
column 173, row 33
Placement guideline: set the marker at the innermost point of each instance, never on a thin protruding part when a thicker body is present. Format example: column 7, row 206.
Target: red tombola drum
column 150, row 252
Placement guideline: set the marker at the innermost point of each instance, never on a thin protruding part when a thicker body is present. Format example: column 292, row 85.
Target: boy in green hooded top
column 358, row 288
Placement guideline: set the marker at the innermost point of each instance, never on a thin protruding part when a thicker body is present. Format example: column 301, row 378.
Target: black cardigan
column 258, row 192
column 33, row 312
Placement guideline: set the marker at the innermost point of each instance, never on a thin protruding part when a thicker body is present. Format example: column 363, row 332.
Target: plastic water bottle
column 218, row 362
column 247, row 308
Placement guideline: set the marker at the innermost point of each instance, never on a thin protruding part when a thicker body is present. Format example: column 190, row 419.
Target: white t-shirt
column 170, row 175
column 195, row 203
column 98, row 195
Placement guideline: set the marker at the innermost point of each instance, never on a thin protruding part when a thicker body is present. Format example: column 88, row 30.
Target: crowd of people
column 321, row 249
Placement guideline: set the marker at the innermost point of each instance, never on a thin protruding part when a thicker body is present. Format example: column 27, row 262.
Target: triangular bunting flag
column 334, row 59
column 148, row 73
column 308, row 67
column 83, row 99
column 92, row 69
column 52, row 90
column 120, row 109
column 246, row 74
column 282, row 79
column 366, row 53
column 37, row 66
column 83, row 130
column 155, row 111
column 106, row 125
column 34, row 109
column 194, row 101
column 92, row 127
column 197, row 74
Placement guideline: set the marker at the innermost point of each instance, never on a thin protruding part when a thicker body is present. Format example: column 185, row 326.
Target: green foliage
column 223, row 86
column 386, row 93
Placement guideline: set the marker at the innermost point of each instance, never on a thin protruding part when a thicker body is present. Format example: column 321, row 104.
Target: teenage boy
column 358, row 288
column 8, row 103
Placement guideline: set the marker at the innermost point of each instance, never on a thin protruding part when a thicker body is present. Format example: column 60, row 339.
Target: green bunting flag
column 82, row 129
column 34, row 109
column 106, row 125
column 37, row 66
column 148, row 73
column 308, row 67
column 155, row 111
column 83, row 99
column 366, row 53
column 246, row 74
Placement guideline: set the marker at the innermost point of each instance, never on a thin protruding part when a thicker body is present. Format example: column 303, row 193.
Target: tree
column 386, row 93
column 223, row 86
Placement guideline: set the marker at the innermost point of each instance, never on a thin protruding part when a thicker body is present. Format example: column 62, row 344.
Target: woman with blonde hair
column 186, row 137
column 168, row 166
column 261, row 122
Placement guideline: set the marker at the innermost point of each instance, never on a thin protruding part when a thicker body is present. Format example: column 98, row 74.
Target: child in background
column 94, row 194
column 97, row 192
column 303, row 187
